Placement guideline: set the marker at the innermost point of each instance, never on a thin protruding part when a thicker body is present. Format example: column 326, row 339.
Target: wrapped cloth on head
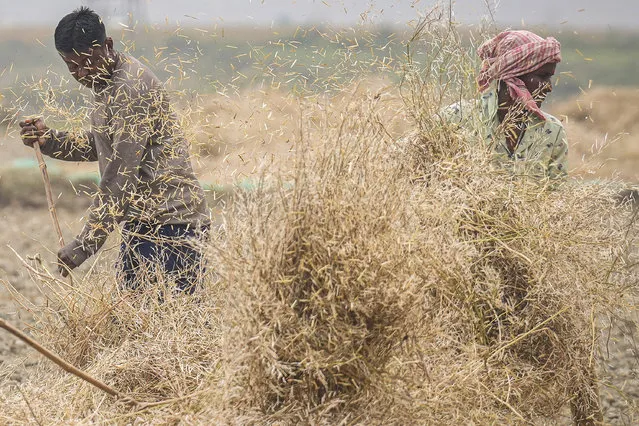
column 512, row 54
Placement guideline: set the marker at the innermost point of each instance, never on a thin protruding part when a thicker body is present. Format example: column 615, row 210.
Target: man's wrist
column 75, row 252
column 48, row 144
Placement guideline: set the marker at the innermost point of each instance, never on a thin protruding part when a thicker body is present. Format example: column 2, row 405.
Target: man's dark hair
column 79, row 31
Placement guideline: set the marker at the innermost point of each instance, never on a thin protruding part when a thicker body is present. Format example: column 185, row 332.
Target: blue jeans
column 171, row 252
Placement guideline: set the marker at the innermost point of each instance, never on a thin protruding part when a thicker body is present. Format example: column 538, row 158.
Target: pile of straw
column 401, row 285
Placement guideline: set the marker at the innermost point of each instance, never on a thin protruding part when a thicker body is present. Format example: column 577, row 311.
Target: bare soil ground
column 620, row 371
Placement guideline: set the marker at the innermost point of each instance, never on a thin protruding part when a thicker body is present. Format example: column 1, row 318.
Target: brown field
column 603, row 126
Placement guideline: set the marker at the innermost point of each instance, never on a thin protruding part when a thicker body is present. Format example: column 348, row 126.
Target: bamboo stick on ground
column 62, row 363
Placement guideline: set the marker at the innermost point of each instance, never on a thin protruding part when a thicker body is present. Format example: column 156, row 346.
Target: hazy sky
column 575, row 13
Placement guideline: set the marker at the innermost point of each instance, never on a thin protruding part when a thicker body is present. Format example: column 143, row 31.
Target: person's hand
column 65, row 263
column 33, row 130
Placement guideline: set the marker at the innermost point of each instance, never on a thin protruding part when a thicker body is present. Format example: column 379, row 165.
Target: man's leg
column 182, row 255
column 138, row 256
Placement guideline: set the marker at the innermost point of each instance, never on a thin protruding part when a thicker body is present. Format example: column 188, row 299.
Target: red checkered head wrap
column 512, row 54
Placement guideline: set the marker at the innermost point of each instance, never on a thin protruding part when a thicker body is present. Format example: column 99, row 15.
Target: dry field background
column 241, row 138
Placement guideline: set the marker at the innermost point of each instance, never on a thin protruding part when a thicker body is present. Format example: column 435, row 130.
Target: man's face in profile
column 89, row 67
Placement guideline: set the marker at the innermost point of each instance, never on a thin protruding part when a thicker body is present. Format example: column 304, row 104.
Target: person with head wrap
column 515, row 79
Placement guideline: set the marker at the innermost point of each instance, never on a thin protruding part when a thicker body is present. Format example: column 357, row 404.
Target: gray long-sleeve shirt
column 143, row 157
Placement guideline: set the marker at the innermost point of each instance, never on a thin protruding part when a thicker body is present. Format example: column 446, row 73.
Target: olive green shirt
column 542, row 149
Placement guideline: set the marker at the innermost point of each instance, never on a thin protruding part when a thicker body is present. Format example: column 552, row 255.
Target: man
column 514, row 80
column 146, row 176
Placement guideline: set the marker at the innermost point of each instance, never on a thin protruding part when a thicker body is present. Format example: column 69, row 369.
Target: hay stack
column 395, row 286
column 320, row 283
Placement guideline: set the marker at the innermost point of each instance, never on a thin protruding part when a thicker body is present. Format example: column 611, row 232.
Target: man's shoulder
column 132, row 76
column 553, row 121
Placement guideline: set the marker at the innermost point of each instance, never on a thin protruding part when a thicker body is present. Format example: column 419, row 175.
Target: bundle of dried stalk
column 395, row 286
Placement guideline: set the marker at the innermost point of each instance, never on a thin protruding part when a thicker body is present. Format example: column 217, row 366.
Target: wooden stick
column 49, row 192
column 47, row 188
column 62, row 363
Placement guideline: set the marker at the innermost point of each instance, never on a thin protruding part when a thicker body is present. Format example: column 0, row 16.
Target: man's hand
column 33, row 129
column 65, row 263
